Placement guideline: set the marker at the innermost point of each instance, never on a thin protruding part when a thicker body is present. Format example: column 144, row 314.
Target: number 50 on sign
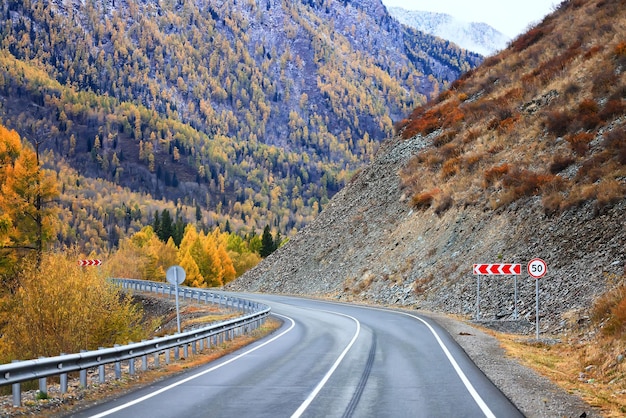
column 537, row 268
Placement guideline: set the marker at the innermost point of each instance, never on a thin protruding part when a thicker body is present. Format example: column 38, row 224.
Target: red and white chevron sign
column 84, row 263
column 493, row 269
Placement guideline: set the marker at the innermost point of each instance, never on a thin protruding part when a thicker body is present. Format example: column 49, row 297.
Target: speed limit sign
column 537, row 268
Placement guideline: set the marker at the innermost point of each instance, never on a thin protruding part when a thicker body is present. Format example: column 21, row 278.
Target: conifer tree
column 267, row 242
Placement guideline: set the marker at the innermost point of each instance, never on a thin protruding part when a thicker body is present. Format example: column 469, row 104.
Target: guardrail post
column 201, row 344
column 167, row 356
column 16, row 389
column 101, row 370
column 43, row 385
column 83, row 375
column 144, row 362
column 118, row 367
column 63, row 380
column 131, row 366
column 194, row 350
column 186, row 350
column 177, row 352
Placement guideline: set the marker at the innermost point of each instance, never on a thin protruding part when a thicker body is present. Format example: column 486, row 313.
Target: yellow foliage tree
column 193, row 277
column 27, row 221
column 143, row 256
column 63, row 307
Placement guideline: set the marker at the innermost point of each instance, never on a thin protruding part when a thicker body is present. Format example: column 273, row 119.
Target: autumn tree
column 62, row 307
column 27, row 220
column 267, row 242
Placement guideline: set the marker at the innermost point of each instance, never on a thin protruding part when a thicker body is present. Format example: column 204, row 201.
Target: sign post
column 495, row 269
column 176, row 275
column 537, row 268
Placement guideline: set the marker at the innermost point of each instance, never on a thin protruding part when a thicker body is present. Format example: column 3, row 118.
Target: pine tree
column 267, row 242
column 167, row 226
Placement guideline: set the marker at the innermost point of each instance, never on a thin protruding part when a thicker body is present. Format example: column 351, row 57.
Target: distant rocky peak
column 476, row 37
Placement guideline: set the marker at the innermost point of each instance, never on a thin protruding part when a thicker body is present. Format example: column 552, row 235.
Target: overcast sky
column 510, row 17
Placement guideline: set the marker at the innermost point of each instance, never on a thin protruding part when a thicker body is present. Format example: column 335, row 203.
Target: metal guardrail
column 254, row 316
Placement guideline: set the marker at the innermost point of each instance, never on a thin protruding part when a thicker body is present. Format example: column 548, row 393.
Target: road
column 328, row 360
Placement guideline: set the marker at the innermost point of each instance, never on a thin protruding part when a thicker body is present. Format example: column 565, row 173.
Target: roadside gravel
column 534, row 395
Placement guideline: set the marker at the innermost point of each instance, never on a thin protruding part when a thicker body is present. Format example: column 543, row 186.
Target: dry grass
column 590, row 360
column 576, row 367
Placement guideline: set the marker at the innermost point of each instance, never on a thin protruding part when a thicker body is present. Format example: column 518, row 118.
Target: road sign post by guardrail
column 176, row 275
column 496, row 269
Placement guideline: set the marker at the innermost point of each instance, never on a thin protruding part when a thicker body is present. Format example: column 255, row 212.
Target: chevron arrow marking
column 84, row 263
column 497, row 269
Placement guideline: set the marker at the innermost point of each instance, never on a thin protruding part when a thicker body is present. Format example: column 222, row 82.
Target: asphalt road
column 328, row 360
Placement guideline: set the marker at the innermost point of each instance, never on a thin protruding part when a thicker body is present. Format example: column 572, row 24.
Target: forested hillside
column 250, row 112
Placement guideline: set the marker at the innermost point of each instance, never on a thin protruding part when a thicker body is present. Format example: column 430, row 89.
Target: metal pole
column 177, row 311
column 477, row 297
column 515, row 310
column 537, row 307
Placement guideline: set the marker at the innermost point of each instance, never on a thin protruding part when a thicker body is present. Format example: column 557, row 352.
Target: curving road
column 328, row 360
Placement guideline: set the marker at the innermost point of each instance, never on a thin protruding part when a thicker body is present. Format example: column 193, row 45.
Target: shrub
column 619, row 54
column 615, row 144
column 604, row 81
column 443, row 203
column 450, row 150
column 608, row 192
column 593, row 51
column 560, row 162
column 580, row 142
column 444, row 138
column 610, row 310
column 612, row 108
column 495, row 173
column 471, row 160
column 451, row 167
column 525, row 183
column 588, row 114
column 424, row 200
column 557, row 122
column 527, row 39
column 471, row 135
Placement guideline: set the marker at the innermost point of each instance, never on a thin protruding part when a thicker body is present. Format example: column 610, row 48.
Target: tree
column 167, row 226
column 267, row 242
column 62, row 307
column 27, row 220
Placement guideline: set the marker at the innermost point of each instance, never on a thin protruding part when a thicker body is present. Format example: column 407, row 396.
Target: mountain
column 478, row 37
column 522, row 157
column 256, row 113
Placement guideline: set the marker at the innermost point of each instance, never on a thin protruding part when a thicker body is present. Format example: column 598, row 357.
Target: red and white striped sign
column 501, row 269
column 84, row 263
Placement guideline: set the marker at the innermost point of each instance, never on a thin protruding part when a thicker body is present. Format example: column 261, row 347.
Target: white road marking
column 180, row 382
column 330, row 372
column 468, row 385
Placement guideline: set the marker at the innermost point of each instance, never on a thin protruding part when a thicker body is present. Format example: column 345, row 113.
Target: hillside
column 255, row 112
column 473, row 36
column 523, row 157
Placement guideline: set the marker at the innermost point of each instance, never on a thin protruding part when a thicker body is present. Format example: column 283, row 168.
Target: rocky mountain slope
column 473, row 36
column 408, row 228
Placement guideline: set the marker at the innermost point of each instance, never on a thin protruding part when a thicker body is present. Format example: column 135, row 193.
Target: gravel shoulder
column 533, row 394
